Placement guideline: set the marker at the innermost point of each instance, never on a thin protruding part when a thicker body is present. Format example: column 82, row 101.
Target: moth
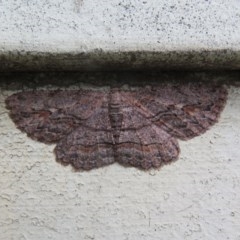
column 137, row 127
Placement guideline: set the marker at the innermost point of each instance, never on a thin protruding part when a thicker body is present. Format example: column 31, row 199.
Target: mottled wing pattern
column 76, row 120
column 183, row 110
column 147, row 147
column 48, row 116
column 91, row 144
column 133, row 127
column 86, row 148
column 142, row 144
column 161, row 114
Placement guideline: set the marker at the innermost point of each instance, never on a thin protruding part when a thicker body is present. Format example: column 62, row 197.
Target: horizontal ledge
column 55, row 80
column 99, row 60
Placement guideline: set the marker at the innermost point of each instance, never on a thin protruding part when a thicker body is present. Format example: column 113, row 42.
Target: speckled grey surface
column 114, row 34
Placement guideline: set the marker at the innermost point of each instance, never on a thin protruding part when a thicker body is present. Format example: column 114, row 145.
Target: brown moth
column 134, row 127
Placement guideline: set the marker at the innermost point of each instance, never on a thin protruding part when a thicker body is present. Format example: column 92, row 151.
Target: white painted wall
column 83, row 34
column 84, row 25
column 196, row 197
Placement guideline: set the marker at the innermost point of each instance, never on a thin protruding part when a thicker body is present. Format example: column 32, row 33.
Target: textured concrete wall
column 197, row 197
column 88, row 34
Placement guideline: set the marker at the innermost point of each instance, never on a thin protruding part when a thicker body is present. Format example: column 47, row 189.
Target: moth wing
column 146, row 147
column 47, row 116
column 86, row 148
column 140, row 143
column 183, row 110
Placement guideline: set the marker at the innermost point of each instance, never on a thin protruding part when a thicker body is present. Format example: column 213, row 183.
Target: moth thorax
column 115, row 114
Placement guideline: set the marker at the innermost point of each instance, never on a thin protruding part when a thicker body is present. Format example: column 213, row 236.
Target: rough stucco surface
column 196, row 197
column 88, row 34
